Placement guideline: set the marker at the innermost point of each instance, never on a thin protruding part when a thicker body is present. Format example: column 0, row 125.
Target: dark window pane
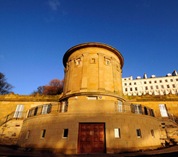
column 43, row 133
column 65, row 133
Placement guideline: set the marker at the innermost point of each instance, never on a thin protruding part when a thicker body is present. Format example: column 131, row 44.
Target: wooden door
column 91, row 138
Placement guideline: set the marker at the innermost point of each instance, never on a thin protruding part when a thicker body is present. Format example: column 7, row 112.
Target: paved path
column 9, row 152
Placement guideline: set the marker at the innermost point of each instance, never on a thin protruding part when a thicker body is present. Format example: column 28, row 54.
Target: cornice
column 93, row 44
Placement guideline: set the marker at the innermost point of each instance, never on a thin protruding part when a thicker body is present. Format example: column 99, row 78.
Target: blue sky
column 35, row 34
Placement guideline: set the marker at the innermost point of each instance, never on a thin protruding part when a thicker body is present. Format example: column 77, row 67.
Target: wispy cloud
column 53, row 4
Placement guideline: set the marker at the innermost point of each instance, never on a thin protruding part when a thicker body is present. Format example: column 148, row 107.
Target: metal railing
column 47, row 108
column 144, row 110
column 134, row 108
column 172, row 117
column 119, row 107
column 18, row 115
column 124, row 107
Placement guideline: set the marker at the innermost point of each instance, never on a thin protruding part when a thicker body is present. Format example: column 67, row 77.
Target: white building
column 152, row 86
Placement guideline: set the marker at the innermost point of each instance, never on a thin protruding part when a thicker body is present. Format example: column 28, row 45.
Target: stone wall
column 9, row 102
column 153, row 101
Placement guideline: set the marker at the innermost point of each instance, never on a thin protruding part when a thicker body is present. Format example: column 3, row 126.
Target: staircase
column 10, row 127
column 168, row 132
column 13, row 115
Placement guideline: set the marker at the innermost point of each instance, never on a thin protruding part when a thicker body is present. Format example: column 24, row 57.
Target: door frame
column 78, row 148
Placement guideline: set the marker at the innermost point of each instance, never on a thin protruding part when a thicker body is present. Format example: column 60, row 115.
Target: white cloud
column 53, row 4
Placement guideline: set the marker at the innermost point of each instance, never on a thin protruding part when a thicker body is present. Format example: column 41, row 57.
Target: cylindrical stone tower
column 91, row 115
column 93, row 68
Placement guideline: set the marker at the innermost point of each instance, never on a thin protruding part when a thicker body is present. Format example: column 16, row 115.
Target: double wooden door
column 91, row 138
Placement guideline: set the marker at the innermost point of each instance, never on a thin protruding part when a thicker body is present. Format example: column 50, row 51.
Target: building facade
column 152, row 86
column 92, row 115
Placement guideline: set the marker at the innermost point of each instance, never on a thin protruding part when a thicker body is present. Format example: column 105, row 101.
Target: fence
column 172, row 117
column 18, row 115
column 140, row 109
column 48, row 108
column 133, row 108
column 63, row 107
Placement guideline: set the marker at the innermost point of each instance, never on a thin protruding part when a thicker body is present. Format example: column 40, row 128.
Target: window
column 176, row 79
column 144, row 82
column 77, row 62
column 18, row 111
column 64, row 106
column 119, row 106
column 152, row 133
column 117, row 132
column 65, row 133
column 162, row 86
column 92, row 61
column 132, row 107
column 125, row 84
column 126, row 89
column 30, row 113
column 150, row 82
column 130, row 83
column 130, row 89
column 145, row 110
column 155, row 81
column 163, row 110
column 46, row 109
column 28, row 134
column 92, row 97
column 171, row 80
column 146, row 88
column 151, row 87
column 173, row 86
column 160, row 81
column 107, row 61
column 156, row 87
column 136, row 88
column 165, row 80
column 36, row 110
column 138, row 109
column 167, row 86
column 43, row 133
column 134, row 83
column 138, row 133
column 151, row 112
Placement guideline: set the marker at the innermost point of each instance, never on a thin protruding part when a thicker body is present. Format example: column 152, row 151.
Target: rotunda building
column 93, row 68
column 92, row 115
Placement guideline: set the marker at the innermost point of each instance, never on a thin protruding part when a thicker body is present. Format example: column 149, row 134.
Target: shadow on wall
column 54, row 124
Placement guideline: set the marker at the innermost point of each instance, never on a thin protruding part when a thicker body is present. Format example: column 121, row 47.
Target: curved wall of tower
column 93, row 68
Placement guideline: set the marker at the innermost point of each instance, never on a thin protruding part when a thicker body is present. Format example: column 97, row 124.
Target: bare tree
column 39, row 90
column 5, row 87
